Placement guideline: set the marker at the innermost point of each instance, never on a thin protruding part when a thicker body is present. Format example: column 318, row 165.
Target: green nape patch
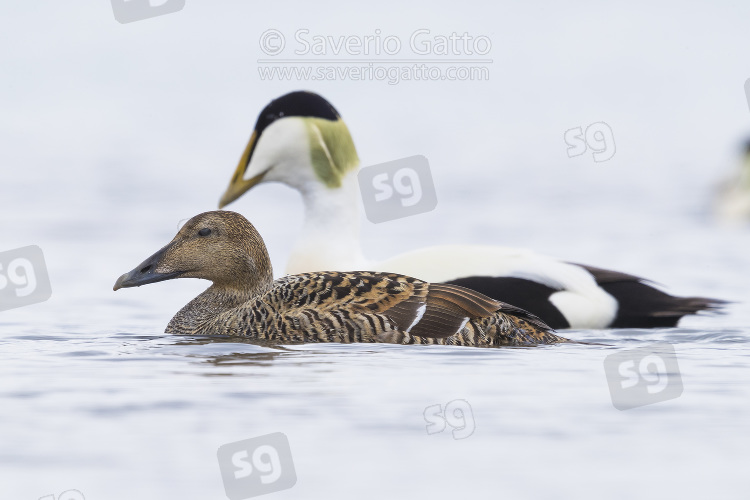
column 332, row 150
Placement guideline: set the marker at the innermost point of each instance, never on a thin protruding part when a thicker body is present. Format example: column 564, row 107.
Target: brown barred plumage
column 340, row 307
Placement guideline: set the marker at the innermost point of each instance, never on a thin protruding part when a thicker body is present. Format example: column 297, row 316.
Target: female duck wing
column 446, row 304
column 384, row 304
column 387, row 302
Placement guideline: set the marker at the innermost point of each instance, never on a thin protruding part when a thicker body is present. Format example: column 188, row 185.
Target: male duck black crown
column 301, row 140
column 244, row 300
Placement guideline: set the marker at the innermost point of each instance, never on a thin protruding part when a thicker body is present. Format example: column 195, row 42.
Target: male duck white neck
column 329, row 240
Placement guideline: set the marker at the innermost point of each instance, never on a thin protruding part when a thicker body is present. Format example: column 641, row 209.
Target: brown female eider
column 244, row 300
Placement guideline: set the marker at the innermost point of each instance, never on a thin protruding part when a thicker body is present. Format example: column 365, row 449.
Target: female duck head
column 299, row 139
column 222, row 247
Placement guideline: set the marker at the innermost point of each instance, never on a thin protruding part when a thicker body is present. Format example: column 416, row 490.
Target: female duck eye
column 204, row 232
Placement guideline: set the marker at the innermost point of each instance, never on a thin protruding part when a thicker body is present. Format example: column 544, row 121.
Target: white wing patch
column 463, row 324
column 420, row 313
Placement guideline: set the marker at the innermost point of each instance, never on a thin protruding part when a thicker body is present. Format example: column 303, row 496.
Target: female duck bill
column 146, row 272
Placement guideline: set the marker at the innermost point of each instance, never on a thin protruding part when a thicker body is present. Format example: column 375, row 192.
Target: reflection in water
column 236, row 351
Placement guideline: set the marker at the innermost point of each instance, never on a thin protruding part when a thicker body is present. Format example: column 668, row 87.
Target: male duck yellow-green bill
column 301, row 140
column 244, row 300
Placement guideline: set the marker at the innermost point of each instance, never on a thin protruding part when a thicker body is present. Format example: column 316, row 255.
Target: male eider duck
column 244, row 300
column 733, row 200
column 301, row 140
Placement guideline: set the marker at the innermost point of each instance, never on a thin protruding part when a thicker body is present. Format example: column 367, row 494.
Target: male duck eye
column 204, row 232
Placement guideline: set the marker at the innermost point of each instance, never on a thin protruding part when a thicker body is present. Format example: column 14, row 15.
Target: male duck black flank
column 244, row 300
column 301, row 140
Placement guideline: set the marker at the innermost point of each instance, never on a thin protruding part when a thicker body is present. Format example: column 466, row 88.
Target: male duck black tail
column 244, row 300
column 301, row 140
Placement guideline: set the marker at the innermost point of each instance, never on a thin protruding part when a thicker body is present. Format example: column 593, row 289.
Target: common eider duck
column 244, row 300
column 301, row 140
